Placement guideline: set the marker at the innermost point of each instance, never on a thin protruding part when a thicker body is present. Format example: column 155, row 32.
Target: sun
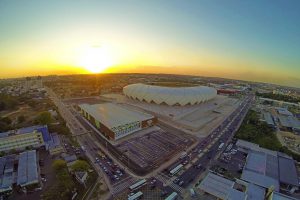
column 96, row 59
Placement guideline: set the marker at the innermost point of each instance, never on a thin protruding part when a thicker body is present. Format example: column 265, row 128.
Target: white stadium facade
column 171, row 96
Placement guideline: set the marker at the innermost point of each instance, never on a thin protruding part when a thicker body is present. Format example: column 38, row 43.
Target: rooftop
column 255, row 192
column 40, row 128
column 28, row 169
column 216, row 185
column 112, row 115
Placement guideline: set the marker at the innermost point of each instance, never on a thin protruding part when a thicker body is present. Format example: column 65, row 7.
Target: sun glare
column 96, row 59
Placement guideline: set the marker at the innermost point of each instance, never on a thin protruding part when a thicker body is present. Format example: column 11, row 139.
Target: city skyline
column 254, row 41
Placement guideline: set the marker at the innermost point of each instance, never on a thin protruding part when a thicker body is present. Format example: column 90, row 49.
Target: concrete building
column 115, row 121
column 35, row 137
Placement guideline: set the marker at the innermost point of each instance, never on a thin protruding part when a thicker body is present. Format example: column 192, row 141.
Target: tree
column 21, row 119
column 59, row 165
column 44, row 118
column 80, row 165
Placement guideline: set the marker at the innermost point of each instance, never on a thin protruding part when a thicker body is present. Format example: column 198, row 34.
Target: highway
column 208, row 146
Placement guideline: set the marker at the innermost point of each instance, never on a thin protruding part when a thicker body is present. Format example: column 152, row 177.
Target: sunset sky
column 256, row 40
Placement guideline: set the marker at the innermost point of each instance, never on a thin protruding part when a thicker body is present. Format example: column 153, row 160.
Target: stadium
column 172, row 96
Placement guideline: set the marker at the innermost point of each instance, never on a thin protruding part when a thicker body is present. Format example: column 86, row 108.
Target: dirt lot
column 290, row 140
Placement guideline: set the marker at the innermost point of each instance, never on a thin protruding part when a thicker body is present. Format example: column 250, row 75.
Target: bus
column 176, row 170
column 138, row 184
column 136, row 196
column 221, row 146
column 172, row 196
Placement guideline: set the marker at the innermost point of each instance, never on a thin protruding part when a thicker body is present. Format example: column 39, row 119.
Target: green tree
column 44, row 118
column 59, row 165
column 80, row 165
column 21, row 119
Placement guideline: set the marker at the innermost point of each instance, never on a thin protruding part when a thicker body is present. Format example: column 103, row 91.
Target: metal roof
column 247, row 145
column 255, row 192
column 268, row 118
column 284, row 111
column 234, row 194
column 260, row 179
column 279, row 196
column 216, row 185
column 287, row 171
column 28, row 169
column 289, row 121
column 112, row 115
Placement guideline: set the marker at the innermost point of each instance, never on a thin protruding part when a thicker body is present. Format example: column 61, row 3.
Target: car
column 153, row 181
column 164, row 193
column 199, row 166
column 176, row 180
column 181, row 183
column 44, row 179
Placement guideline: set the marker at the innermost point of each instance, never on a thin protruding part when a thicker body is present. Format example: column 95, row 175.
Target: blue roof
column 28, row 169
column 255, row 192
column 288, row 171
column 260, row 179
column 234, row 194
column 39, row 128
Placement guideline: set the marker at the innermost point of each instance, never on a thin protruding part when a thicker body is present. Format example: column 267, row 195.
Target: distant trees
column 80, row 165
column 7, row 102
column 5, row 124
column 279, row 97
column 258, row 132
column 21, row 119
column 58, row 165
column 44, row 118
column 62, row 189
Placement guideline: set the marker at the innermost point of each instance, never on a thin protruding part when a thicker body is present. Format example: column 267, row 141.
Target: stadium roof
column 112, row 115
column 28, row 169
column 216, row 185
column 170, row 95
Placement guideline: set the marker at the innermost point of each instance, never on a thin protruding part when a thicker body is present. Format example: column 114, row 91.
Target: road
column 209, row 148
column 94, row 142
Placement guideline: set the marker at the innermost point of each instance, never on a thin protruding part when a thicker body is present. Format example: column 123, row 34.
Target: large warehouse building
column 171, row 96
column 115, row 121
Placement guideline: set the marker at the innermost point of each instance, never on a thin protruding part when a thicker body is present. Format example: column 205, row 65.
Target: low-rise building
column 32, row 137
column 268, row 168
column 115, row 121
column 81, row 177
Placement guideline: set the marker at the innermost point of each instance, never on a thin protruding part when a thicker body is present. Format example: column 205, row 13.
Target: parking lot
column 154, row 148
column 231, row 161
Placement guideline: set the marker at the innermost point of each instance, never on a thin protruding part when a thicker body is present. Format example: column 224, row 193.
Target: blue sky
column 252, row 40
